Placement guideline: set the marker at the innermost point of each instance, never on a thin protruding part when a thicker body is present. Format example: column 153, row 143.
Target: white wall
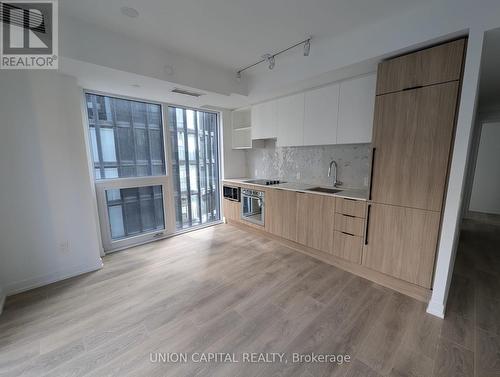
column 46, row 195
column 485, row 196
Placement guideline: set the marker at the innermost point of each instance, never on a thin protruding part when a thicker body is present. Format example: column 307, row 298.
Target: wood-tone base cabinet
column 281, row 213
column 303, row 218
column 310, row 220
column 315, row 219
column 231, row 209
column 401, row 242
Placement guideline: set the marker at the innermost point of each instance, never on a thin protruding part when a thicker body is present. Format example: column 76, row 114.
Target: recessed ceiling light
column 129, row 12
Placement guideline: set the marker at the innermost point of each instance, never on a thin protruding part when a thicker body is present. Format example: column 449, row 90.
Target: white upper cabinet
column 356, row 106
column 264, row 121
column 241, row 129
column 321, row 115
column 339, row 113
column 291, row 120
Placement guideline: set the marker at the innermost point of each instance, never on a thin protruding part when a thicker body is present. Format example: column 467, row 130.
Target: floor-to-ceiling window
column 141, row 193
column 128, row 154
column 195, row 164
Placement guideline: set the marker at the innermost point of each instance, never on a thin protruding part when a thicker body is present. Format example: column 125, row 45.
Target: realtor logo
column 29, row 34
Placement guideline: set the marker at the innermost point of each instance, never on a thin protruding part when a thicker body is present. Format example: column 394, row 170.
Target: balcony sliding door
column 195, row 164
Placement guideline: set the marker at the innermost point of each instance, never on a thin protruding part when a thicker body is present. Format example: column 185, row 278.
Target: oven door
column 252, row 209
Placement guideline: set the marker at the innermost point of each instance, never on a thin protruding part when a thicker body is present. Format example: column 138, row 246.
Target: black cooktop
column 265, row 182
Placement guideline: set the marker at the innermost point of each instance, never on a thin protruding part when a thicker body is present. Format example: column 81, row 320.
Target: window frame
column 116, row 124
column 166, row 181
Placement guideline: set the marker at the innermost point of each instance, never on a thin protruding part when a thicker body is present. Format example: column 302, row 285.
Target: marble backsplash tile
column 310, row 164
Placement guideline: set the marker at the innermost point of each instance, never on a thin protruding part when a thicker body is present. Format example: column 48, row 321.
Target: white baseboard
column 2, row 300
column 436, row 309
column 26, row 285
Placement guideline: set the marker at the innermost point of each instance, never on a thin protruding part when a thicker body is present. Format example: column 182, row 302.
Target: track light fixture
column 307, row 47
column 270, row 58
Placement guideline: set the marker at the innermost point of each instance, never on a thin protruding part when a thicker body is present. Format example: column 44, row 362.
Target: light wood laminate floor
column 223, row 289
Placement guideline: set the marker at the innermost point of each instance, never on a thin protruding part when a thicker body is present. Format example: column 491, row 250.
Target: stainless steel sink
column 325, row 190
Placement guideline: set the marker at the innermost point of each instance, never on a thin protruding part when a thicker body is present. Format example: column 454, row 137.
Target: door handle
column 371, row 174
column 367, row 223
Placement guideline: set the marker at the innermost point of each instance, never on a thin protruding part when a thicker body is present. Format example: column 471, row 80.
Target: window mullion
column 134, row 140
column 209, row 164
column 97, row 128
column 187, row 166
column 116, row 138
column 148, row 143
column 198, row 178
column 216, row 163
column 139, row 210
column 205, row 134
column 178, row 201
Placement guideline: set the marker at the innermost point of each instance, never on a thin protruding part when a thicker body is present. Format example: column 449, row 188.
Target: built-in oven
column 231, row 193
column 252, row 206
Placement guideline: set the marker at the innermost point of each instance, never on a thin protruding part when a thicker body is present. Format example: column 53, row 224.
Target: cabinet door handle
column 371, row 174
column 413, row 87
column 367, row 223
column 349, row 234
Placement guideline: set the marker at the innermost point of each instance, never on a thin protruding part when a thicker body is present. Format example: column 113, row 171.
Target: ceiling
column 489, row 89
column 233, row 33
column 112, row 81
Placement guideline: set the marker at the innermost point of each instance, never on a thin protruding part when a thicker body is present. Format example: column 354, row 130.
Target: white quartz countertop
column 348, row 193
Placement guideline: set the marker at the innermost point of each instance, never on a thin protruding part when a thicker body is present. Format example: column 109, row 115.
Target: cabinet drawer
column 347, row 246
column 349, row 224
column 434, row 65
column 351, row 207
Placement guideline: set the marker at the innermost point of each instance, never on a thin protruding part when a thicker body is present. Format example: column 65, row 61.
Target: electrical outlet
column 256, row 173
column 365, row 181
column 64, row 247
column 297, row 176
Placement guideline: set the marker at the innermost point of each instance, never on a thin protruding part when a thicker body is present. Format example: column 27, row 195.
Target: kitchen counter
column 348, row 193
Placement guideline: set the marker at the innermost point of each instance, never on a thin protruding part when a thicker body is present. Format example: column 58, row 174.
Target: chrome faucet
column 335, row 181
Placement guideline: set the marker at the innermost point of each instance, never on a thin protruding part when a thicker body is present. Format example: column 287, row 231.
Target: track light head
column 270, row 60
column 307, row 47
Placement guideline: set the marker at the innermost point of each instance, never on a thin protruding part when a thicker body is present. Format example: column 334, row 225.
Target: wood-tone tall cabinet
column 415, row 108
